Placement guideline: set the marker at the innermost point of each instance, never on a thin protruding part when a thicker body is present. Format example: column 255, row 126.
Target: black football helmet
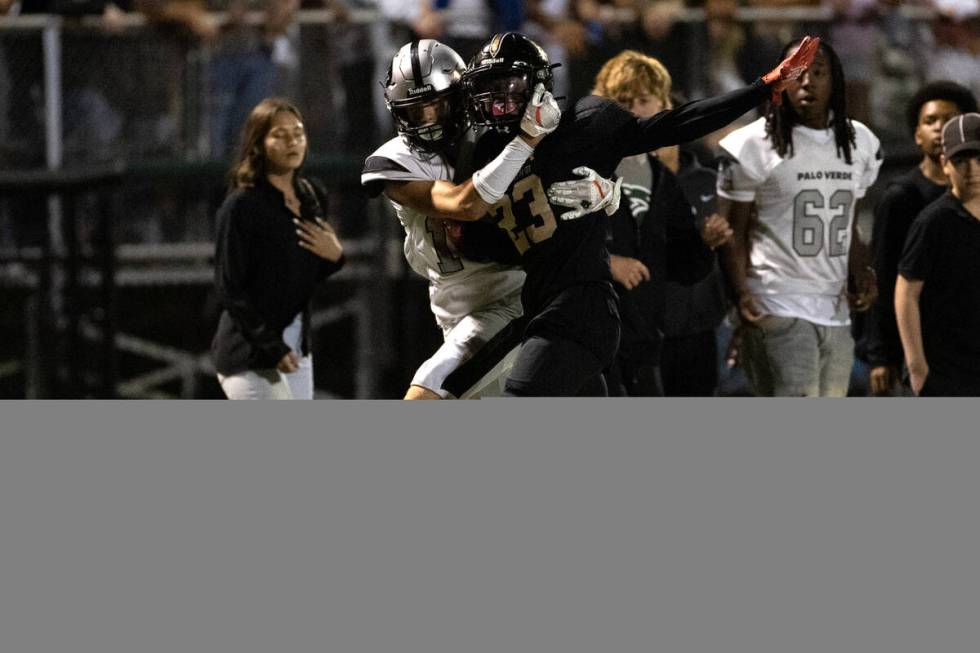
column 500, row 79
column 424, row 95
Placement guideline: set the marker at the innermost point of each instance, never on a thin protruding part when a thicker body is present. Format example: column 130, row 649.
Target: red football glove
column 791, row 67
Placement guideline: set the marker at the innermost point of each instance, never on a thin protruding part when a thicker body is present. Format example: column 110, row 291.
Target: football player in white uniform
column 470, row 300
column 799, row 265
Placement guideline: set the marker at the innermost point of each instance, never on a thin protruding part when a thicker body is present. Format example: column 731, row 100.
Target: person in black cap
column 930, row 108
column 937, row 295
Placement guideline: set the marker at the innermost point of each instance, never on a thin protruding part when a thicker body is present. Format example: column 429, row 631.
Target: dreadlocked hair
column 781, row 119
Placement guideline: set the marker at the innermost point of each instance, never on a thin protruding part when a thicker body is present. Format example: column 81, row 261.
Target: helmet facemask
column 431, row 122
column 500, row 80
column 497, row 98
column 423, row 95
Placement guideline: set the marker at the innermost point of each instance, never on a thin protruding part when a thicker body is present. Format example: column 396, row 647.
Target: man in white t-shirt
column 800, row 170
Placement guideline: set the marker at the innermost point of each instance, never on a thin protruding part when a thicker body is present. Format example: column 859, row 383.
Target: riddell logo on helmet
column 489, row 61
column 420, row 90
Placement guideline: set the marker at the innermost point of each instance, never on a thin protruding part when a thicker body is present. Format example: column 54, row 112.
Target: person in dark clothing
column 928, row 110
column 659, row 238
column 689, row 360
column 937, row 295
column 653, row 241
column 569, row 302
column 274, row 245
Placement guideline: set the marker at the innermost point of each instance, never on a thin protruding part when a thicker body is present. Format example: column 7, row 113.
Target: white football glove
column 541, row 116
column 586, row 195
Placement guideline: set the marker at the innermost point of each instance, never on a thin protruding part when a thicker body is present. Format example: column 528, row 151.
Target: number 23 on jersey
column 525, row 214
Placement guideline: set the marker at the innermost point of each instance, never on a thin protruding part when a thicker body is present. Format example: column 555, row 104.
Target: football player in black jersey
column 570, row 307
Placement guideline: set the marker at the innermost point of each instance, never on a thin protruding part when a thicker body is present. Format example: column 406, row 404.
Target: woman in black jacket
column 273, row 247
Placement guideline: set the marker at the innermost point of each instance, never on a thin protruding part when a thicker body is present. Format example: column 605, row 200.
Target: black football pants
column 552, row 366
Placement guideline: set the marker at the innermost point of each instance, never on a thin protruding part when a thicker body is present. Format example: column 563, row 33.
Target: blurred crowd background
column 118, row 121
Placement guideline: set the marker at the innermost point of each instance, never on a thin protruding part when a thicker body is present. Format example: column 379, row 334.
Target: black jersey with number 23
column 597, row 133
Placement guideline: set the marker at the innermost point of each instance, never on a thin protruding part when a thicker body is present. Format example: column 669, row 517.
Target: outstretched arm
column 693, row 120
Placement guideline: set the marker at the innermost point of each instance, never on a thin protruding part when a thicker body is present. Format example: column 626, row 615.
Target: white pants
column 462, row 339
column 492, row 383
column 273, row 384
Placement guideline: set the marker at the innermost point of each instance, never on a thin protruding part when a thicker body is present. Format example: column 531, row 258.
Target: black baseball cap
column 961, row 134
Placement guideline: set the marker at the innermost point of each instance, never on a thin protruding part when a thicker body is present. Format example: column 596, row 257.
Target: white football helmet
column 424, row 96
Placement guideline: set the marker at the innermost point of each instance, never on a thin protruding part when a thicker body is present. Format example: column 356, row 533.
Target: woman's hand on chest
column 320, row 238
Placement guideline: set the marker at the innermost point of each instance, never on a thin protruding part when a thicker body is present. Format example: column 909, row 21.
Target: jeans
column 271, row 383
column 791, row 357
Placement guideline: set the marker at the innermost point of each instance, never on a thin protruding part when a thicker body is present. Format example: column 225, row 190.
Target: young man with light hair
column 660, row 246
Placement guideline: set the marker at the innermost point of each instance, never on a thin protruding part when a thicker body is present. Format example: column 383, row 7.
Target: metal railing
column 57, row 320
column 197, row 56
